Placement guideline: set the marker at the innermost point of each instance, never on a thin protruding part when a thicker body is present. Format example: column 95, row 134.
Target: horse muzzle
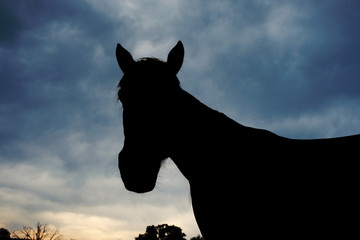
column 136, row 172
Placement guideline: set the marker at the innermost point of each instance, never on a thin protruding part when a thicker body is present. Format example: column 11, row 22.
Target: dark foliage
column 198, row 237
column 4, row 234
column 162, row 232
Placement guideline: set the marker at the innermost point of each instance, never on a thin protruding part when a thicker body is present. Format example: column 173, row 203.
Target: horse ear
column 176, row 57
column 124, row 58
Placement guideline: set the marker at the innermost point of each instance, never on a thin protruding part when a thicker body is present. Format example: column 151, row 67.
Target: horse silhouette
column 244, row 182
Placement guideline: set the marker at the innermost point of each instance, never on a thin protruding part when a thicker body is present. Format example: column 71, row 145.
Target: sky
column 292, row 67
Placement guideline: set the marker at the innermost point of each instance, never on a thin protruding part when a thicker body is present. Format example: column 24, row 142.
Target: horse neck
column 198, row 130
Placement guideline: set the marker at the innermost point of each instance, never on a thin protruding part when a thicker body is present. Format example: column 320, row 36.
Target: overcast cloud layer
column 291, row 67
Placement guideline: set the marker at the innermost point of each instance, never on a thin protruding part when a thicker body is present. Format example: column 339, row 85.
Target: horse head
column 145, row 91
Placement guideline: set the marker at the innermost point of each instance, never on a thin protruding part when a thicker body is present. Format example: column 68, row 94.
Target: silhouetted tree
column 41, row 232
column 162, row 232
column 198, row 237
column 4, row 234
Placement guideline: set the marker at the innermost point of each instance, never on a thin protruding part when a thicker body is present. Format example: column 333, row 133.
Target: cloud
column 290, row 67
column 339, row 119
column 87, row 225
column 96, row 208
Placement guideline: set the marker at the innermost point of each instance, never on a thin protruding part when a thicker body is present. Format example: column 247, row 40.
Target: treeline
column 46, row 232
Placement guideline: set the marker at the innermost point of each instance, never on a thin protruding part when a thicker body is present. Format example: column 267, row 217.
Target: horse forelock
column 151, row 70
column 150, row 60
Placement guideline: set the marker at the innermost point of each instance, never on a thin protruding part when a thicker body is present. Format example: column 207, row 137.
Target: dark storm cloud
column 294, row 58
column 271, row 59
column 49, row 73
column 10, row 24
